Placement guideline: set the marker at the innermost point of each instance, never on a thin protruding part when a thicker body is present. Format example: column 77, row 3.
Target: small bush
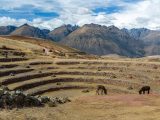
column 28, row 67
column 130, row 88
column 85, row 91
column 155, row 67
column 51, row 104
column 4, row 47
column 58, row 83
column 113, row 76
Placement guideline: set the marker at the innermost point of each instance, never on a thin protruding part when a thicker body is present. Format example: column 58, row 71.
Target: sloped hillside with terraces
column 28, row 68
column 24, row 65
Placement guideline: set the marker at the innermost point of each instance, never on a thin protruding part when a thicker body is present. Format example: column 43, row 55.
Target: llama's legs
column 102, row 92
column 96, row 92
column 148, row 91
column 143, row 91
column 106, row 92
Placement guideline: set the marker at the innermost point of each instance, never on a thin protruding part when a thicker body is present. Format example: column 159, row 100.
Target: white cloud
column 144, row 13
column 10, row 21
column 50, row 24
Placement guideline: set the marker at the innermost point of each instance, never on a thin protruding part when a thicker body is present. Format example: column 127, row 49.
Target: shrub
column 4, row 47
column 52, row 104
column 85, row 91
column 58, row 83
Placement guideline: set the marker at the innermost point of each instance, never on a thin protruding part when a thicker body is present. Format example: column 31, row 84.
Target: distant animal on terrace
column 101, row 90
column 143, row 89
column 46, row 51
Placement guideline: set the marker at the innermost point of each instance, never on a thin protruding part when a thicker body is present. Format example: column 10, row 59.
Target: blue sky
column 53, row 13
column 108, row 9
column 28, row 12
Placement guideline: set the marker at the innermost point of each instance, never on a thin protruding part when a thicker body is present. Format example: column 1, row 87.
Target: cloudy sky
column 53, row 13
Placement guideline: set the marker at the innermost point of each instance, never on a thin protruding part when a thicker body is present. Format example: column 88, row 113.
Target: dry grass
column 113, row 107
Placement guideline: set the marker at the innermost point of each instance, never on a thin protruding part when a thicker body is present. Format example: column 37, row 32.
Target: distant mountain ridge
column 137, row 33
column 102, row 40
column 5, row 30
column 96, row 39
column 151, row 39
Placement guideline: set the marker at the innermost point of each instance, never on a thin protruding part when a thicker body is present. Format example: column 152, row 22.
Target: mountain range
column 150, row 38
column 96, row 39
column 102, row 40
column 6, row 30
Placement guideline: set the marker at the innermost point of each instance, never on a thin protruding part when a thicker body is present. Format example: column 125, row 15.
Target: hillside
column 76, row 76
column 102, row 40
column 30, row 31
column 27, row 60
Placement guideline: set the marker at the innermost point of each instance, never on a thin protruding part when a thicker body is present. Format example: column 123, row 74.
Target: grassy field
column 67, row 72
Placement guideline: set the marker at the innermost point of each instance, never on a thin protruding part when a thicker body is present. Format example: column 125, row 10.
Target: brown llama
column 143, row 89
column 101, row 90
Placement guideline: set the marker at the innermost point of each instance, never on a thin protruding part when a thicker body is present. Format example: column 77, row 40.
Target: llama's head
column 140, row 91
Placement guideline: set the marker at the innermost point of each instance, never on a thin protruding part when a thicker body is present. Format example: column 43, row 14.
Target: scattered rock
column 12, row 74
column 17, row 99
column 43, row 99
column 53, row 75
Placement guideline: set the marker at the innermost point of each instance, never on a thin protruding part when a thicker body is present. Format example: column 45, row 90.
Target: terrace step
column 37, row 83
column 84, row 73
column 40, row 63
column 53, row 88
column 16, row 71
column 25, row 78
column 110, row 63
column 26, row 85
column 8, row 66
column 12, row 59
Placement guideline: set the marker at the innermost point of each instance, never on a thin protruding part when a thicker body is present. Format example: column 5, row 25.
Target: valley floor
column 91, row 107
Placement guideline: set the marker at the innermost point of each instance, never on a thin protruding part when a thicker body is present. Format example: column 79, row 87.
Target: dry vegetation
column 58, row 74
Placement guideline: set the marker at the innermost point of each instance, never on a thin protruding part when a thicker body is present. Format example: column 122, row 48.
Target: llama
column 101, row 90
column 143, row 89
